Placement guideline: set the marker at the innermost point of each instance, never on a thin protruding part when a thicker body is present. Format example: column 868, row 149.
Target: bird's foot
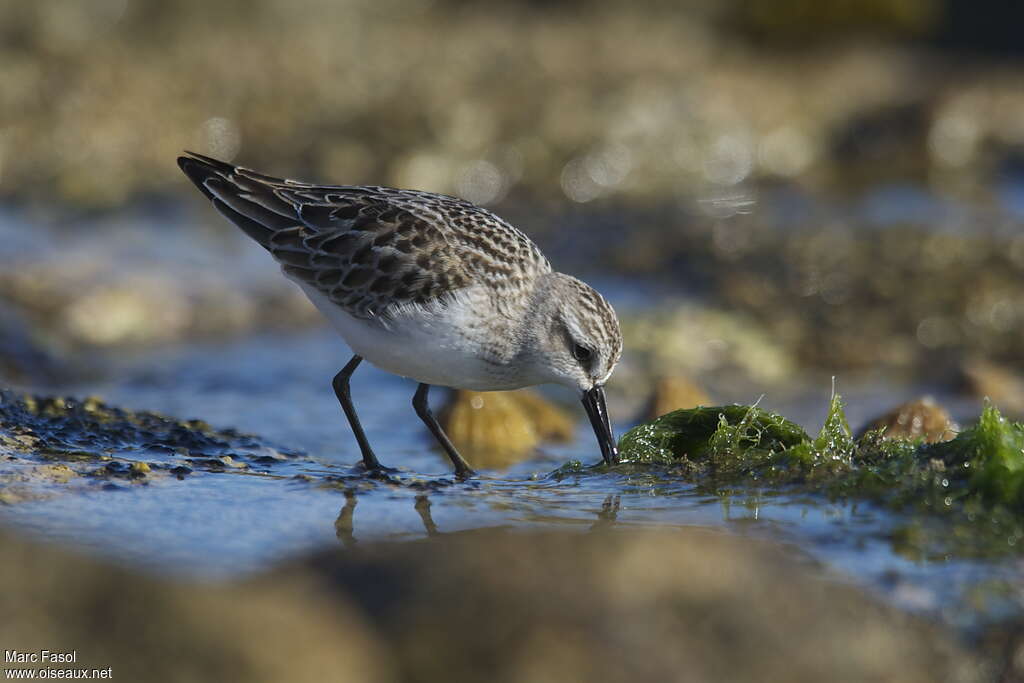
column 376, row 471
column 462, row 474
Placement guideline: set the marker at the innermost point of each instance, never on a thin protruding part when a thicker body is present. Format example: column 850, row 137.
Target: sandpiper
column 426, row 286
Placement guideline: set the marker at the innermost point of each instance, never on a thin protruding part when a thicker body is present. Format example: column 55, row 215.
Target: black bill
column 597, row 411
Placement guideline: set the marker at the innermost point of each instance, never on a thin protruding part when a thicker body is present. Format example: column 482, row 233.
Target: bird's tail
column 246, row 198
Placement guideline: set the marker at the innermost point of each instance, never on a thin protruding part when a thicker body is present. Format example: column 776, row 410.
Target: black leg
column 419, row 402
column 345, row 399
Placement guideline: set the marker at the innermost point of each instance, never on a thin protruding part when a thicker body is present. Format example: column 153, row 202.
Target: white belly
column 429, row 345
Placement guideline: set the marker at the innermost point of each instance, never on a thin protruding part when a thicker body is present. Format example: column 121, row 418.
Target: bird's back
column 371, row 250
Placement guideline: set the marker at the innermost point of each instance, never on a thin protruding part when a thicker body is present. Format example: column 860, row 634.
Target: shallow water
column 222, row 523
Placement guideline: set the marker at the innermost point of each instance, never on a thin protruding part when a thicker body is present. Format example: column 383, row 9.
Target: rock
column 549, row 421
column 56, row 445
column 1000, row 384
column 921, row 418
column 672, row 393
column 611, row 605
column 156, row 629
column 25, row 481
column 632, row 605
column 500, row 428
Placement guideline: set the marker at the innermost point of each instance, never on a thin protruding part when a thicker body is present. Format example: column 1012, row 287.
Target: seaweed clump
column 733, row 440
column 735, row 445
column 988, row 459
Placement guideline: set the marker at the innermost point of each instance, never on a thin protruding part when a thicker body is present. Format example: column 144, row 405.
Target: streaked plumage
column 370, row 249
column 423, row 285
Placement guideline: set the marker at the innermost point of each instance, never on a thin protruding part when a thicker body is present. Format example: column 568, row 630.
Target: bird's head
column 577, row 343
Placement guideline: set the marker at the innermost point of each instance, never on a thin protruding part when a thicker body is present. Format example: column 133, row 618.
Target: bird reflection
column 423, row 508
column 607, row 516
column 343, row 524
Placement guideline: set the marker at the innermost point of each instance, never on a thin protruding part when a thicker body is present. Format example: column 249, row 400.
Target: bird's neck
column 530, row 327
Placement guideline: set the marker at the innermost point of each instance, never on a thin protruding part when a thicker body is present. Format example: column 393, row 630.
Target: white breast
column 434, row 344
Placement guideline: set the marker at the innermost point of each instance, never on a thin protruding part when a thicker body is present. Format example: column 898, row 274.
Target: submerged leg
column 345, row 399
column 419, row 402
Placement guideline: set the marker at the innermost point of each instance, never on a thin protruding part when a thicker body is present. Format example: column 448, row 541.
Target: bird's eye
column 581, row 353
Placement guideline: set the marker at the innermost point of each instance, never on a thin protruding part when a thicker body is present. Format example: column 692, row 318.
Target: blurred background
column 767, row 189
column 772, row 193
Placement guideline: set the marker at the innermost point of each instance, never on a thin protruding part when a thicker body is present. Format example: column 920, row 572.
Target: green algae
column 958, row 498
column 736, row 445
column 708, row 432
column 988, row 459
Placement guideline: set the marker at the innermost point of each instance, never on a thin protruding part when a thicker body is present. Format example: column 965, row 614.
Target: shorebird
column 426, row 286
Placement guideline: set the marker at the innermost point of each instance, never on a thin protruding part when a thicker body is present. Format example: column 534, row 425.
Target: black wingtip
column 221, row 166
column 200, row 168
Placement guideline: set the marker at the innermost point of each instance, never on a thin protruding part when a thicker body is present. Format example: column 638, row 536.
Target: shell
column 917, row 419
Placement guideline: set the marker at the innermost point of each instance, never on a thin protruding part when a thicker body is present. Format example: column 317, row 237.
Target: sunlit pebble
column 786, row 151
column 577, row 184
column 729, row 160
column 220, row 137
column 953, row 139
column 121, row 314
column 481, row 182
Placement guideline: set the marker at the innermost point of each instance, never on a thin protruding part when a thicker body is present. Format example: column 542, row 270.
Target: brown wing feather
column 369, row 248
